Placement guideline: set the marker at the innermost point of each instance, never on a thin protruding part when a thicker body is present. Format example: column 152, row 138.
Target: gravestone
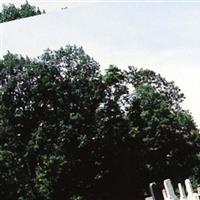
column 182, row 192
column 170, row 194
column 164, row 194
column 148, row 198
column 198, row 190
column 155, row 191
column 190, row 194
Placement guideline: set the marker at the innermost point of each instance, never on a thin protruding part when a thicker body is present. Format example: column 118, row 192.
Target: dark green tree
column 11, row 12
column 168, row 137
column 69, row 132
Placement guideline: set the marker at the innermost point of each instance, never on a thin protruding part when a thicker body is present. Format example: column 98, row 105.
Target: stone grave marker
column 190, row 194
column 164, row 194
column 170, row 194
column 182, row 192
column 148, row 198
column 155, row 191
column 198, row 190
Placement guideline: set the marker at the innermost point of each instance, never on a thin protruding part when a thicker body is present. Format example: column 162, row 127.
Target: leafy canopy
column 69, row 132
column 11, row 12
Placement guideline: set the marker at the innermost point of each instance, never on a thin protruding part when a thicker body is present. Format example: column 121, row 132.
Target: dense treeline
column 11, row 12
column 69, row 132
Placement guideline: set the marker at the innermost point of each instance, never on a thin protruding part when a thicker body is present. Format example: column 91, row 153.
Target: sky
column 162, row 36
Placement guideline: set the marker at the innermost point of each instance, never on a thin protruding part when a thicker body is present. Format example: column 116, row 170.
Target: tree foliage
column 69, row 132
column 11, row 12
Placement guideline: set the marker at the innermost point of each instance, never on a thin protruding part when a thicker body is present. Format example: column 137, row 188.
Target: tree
column 168, row 135
column 69, row 132
column 10, row 12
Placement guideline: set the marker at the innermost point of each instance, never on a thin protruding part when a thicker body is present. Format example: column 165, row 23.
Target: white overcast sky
column 163, row 36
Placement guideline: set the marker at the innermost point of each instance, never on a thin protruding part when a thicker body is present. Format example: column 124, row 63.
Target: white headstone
column 182, row 192
column 169, row 190
column 148, row 198
column 198, row 190
column 190, row 194
column 164, row 194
